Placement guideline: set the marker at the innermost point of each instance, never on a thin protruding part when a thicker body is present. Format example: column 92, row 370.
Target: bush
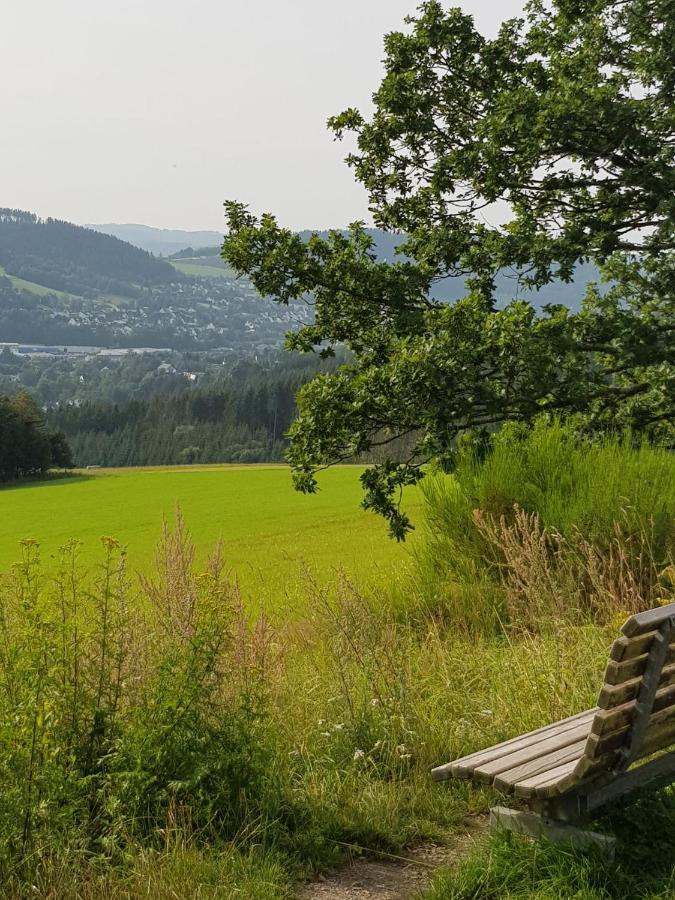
column 584, row 528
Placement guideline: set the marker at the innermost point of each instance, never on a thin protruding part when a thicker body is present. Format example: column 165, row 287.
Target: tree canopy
column 551, row 145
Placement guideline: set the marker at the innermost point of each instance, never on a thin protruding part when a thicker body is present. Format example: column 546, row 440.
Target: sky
column 156, row 111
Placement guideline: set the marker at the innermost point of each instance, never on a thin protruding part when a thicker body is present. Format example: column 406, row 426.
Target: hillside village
column 205, row 313
column 61, row 284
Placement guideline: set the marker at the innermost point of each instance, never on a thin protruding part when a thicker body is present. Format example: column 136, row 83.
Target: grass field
column 270, row 532
column 33, row 287
column 203, row 266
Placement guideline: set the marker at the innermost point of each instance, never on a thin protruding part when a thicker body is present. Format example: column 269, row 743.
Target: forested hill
column 77, row 260
column 62, row 284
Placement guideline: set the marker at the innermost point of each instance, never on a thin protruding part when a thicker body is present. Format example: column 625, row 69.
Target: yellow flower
column 618, row 619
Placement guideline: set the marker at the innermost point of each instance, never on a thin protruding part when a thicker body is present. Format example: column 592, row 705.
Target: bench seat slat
column 545, row 784
column 537, row 750
column 506, row 780
column 464, row 767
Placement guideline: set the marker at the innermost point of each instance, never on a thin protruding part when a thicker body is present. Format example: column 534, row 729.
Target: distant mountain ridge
column 206, row 246
column 160, row 241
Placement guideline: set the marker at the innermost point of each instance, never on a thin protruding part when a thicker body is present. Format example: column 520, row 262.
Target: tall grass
column 155, row 722
column 512, row 868
column 127, row 718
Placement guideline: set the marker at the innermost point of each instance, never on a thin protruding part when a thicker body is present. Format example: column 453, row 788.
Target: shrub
column 546, row 525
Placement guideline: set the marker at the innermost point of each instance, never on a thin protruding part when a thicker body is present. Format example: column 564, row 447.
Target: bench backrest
column 636, row 707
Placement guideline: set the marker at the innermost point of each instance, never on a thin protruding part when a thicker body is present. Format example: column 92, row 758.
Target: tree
column 26, row 446
column 61, row 454
column 561, row 131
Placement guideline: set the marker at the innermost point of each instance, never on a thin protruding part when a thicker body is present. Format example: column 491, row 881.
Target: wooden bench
column 565, row 772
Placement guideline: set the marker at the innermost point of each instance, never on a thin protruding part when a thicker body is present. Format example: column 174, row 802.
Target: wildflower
column 338, row 726
column 375, row 702
column 358, row 754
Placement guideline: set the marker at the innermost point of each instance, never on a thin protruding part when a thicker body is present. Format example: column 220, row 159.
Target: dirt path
column 387, row 878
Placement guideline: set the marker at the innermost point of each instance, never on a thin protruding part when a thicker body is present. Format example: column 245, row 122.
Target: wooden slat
column 628, row 648
column 541, row 784
column 659, row 737
column 597, row 746
column 463, row 767
column 506, row 780
column 610, row 720
column 649, row 620
column 487, row 771
column 661, row 723
column 613, row 695
column 565, row 782
column 618, row 672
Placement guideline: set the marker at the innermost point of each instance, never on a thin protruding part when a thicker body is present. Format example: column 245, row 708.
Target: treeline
column 192, row 252
column 77, row 260
column 225, row 423
column 27, row 447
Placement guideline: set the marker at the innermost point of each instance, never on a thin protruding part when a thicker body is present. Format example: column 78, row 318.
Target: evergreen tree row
column 228, row 423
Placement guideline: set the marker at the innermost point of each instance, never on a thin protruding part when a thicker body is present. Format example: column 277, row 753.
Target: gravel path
column 389, row 878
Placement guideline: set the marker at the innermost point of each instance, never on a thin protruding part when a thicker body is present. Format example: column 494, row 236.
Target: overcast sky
column 155, row 111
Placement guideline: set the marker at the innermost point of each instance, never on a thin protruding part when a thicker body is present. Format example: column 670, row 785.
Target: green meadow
column 271, row 534
column 203, row 266
column 32, row 287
